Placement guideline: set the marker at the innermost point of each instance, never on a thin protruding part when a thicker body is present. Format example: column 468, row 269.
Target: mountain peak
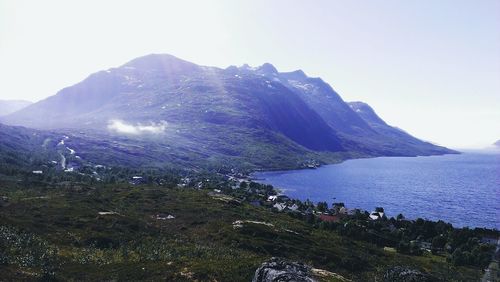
column 306, row 111
column 267, row 68
column 160, row 61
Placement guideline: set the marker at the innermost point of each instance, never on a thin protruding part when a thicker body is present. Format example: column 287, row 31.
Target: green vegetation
column 90, row 230
column 203, row 222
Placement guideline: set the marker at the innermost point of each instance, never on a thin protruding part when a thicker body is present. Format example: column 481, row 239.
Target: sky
column 429, row 67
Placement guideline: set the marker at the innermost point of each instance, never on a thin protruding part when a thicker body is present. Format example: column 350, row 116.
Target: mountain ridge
column 241, row 113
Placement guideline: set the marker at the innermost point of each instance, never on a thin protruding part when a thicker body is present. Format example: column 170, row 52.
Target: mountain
column 23, row 149
column 10, row 106
column 393, row 139
column 171, row 110
column 355, row 122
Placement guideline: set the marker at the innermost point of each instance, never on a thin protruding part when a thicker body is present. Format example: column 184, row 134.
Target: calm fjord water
column 461, row 189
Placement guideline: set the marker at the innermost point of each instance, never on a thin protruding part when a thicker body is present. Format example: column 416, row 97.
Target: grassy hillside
column 25, row 149
column 56, row 231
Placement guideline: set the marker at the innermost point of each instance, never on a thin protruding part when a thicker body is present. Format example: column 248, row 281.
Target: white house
column 293, row 207
column 376, row 215
column 343, row 210
column 280, row 206
column 272, row 198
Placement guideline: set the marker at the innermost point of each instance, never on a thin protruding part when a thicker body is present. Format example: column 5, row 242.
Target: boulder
column 405, row 274
column 281, row 270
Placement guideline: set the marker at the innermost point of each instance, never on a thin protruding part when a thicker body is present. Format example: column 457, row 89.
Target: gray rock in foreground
column 278, row 270
column 404, row 274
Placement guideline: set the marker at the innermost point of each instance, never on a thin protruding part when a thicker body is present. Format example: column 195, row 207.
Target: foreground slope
column 121, row 232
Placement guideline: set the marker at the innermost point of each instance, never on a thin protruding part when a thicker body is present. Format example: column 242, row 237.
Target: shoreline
column 261, row 179
column 262, row 170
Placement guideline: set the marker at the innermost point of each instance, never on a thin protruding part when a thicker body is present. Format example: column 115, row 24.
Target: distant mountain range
column 10, row 106
column 165, row 109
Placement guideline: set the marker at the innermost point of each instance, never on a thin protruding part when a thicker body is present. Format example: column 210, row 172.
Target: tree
column 254, row 185
column 403, row 247
column 458, row 257
column 438, row 242
column 322, row 206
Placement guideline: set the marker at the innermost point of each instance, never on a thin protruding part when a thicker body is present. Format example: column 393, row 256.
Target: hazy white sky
column 429, row 67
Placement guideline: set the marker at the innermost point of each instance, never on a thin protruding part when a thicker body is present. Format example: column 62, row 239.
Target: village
column 394, row 234
column 461, row 246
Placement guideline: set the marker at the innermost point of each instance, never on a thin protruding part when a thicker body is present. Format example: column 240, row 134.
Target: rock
column 405, row 274
column 280, row 270
column 4, row 201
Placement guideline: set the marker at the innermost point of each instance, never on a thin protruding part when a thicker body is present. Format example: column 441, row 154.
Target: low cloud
column 126, row 128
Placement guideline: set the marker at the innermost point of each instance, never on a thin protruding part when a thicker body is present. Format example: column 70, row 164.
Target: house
column 376, row 215
column 309, row 210
column 329, row 218
column 293, row 207
column 488, row 240
column 136, row 180
column 279, row 206
column 423, row 245
column 342, row 210
column 272, row 198
column 278, row 198
column 336, row 207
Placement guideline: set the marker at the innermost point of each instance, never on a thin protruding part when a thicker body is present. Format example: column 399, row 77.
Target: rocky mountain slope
column 251, row 115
